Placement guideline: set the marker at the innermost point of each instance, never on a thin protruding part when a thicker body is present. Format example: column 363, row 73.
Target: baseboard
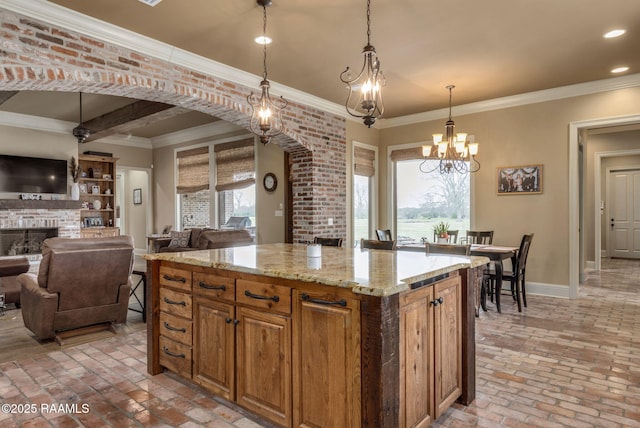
column 550, row 290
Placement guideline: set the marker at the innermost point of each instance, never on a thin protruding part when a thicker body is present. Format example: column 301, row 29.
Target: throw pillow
column 180, row 239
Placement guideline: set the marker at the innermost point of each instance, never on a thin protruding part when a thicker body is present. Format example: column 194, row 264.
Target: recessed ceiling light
column 262, row 40
column 614, row 33
column 620, row 69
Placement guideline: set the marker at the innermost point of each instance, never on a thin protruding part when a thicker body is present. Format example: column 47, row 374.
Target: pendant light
column 80, row 132
column 266, row 121
column 454, row 152
column 365, row 89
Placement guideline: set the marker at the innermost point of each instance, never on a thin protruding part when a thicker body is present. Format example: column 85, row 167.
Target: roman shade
column 413, row 153
column 193, row 170
column 364, row 162
column 235, row 165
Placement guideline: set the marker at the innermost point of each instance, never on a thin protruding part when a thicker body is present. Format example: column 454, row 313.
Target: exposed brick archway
column 40, row 56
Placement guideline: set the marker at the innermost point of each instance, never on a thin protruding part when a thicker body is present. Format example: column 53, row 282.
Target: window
column 364, row 171
column 233, row 169
column 193, row 187
column 422, row 200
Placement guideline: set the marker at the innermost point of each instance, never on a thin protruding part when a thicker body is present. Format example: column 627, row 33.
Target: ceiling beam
column 5, row 95
column 129, row 117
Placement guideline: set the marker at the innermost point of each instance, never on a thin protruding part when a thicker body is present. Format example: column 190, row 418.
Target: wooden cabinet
column 430, row 351
column 176, row 314
column 97, row 193
column 242, row 343
column 326, row 369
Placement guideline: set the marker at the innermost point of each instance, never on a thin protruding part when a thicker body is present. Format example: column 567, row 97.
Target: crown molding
column 561, row 92
column 57, row 15
column 35, row 123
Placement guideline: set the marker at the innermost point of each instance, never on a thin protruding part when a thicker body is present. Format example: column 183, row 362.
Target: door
column 624, row 214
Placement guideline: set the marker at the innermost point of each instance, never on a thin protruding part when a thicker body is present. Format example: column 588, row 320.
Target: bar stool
column 142, row 281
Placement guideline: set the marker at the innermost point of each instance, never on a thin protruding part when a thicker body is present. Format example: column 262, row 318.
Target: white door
column 624, row 215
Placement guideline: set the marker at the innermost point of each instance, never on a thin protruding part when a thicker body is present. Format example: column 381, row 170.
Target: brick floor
column 559, row 363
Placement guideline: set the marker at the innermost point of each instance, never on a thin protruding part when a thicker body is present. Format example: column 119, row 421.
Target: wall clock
column 270, row 182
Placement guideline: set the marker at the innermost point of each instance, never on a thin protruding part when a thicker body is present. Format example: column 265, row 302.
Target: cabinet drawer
column 178, row 329
column 176, row 303
column 176, row 278
column 214, row 286
column 175, row 356
column 260, row 295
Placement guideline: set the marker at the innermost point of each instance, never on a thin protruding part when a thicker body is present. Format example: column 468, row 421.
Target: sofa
column 202, row 239
column 10, row 268
column 81, row 283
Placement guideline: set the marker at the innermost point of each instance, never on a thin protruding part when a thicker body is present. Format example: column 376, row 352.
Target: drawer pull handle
column 341, row 302
column 212, row 287
column 259, row 297
column 171, row 302
column 437, row 301
column 166, row 351
column 175, row 278
column 170, row 327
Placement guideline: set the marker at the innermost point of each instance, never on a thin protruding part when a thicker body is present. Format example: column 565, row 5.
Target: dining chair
column 384, row 235
column 455, row 249
column 328, row 242
column 377, row 245
column 478, row 237
column 516, row 276
column 453, row 237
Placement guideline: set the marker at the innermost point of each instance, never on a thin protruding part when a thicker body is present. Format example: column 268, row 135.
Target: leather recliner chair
column 81, row 282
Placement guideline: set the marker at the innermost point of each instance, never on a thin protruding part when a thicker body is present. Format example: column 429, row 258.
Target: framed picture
column 137, row 196
column 106, row 176
column 83, row 188
column 96, row 172
column 93, row 222
column 95, row 190
column 519, row 180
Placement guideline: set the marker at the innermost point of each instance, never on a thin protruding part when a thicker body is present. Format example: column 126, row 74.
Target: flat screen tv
column 32, row 175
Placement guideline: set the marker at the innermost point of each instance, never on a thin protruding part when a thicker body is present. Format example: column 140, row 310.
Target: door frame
column 575, row 128
column 597, row 179
column 608, row 201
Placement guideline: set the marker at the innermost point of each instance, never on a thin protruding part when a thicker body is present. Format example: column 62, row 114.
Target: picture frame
column 95, row 190
column 106, row 176
column 93, row 222
column 137, row 196
column 83, row 188
column 519, row 180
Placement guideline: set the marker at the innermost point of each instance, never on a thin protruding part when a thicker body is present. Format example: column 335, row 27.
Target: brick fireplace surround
column 40, row 56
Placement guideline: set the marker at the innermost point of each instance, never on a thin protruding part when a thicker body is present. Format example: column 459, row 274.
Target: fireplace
column 24, row 241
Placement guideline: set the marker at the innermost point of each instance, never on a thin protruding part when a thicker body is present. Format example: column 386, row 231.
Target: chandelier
column 454, row 152
column 365, row 89
column 265, row 112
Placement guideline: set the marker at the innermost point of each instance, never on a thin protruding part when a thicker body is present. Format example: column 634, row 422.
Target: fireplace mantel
column 19, row 204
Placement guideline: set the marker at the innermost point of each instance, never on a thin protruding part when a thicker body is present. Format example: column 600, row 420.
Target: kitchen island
column 354, row 338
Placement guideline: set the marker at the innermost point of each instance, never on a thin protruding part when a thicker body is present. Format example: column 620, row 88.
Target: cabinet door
column 214, row 346
column 264, row 364
column 417, row 374
column 448, row 343
column 327, row 391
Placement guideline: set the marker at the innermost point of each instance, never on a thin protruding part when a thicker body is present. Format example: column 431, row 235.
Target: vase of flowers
column 74, row 169
column 441, row 231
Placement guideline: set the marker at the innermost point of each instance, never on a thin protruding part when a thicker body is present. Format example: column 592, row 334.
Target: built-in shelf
column 18, row 204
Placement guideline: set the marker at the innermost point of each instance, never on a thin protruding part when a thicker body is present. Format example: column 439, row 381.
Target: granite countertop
column 371, row 272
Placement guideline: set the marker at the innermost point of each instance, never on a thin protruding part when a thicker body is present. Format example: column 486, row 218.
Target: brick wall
column 38, row 56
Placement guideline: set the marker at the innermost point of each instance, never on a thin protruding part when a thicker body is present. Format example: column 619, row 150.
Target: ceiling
column 488, row 49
